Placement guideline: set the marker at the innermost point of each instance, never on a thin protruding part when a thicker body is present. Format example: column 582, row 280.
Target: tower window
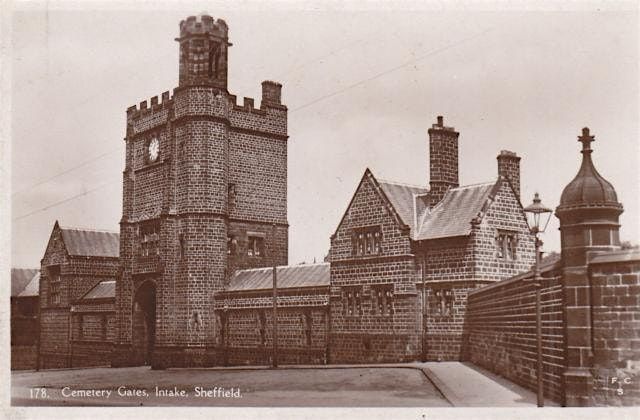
column 149, row 235
column 232, row 245
column 255, row 247
column 232, row 195
column 214, row 55
column 183, row 246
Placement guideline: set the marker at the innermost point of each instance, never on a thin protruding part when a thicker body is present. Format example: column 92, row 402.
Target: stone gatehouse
column 412, row 271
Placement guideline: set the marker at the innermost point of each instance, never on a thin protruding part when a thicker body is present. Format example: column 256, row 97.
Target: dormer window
column 367, row 241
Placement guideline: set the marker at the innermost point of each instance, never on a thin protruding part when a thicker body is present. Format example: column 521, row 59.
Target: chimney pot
column 440, row 121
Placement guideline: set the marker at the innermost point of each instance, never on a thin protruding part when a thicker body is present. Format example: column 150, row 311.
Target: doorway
column 144, row 323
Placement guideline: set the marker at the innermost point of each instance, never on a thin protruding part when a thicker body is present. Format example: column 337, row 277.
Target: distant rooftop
column 91, row 243
column 20, row 278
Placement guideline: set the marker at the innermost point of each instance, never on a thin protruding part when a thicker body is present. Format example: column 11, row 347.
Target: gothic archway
column 144, row 323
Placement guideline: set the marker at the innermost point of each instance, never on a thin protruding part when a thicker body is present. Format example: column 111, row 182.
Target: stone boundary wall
column 500, row 332
column 615, row 309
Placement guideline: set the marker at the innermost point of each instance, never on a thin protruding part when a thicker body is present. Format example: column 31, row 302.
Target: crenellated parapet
column 270, row 118
column 203, row 25
column 149, row 114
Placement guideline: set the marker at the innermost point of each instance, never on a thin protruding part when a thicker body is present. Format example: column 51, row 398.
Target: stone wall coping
column 521, row 277
column 616, row 256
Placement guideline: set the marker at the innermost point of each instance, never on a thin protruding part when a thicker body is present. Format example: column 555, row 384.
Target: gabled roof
column 33, row 287
column 452, row 216
column 91, row 243
column 304, row 275
column 104, row 290
column 20, row 278
column 403, row 199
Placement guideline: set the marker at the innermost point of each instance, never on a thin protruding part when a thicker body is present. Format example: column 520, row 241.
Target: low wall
column 500, row 332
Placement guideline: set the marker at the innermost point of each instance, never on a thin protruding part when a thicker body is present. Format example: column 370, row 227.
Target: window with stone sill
column 382, row 300
column 506, row 244
column 352, row 301
column 366, row 241
column 255, row 246
column 149, row 237
column 443, row 303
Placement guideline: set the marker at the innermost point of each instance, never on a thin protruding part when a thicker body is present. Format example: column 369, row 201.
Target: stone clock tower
column 204, row 194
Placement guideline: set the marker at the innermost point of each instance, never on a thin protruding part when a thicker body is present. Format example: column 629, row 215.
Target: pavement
column 431, row 384
column 467, row 385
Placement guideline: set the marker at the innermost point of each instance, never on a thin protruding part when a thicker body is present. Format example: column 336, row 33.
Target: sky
column 363, row 83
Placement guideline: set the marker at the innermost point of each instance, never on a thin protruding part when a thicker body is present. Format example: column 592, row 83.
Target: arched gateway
column 144, row 323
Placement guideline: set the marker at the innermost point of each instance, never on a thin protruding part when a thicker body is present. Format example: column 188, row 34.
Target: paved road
column 321, row 387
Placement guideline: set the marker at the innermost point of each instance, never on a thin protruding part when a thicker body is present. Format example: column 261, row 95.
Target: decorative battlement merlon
column 146, row 106
column 201, row 25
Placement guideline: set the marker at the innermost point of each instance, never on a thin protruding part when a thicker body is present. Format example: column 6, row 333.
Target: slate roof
column 104, row 290
column 33, row 287
column 452, row 216
column 304, row 275
column 403, row 198
column 20, row 278
column 91, row 243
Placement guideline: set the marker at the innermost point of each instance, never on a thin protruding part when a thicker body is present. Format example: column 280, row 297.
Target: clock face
column 154, row 149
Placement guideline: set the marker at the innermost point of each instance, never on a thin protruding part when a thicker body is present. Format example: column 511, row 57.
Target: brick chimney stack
column 443, row 160
column 271, row 92
column 509, row 167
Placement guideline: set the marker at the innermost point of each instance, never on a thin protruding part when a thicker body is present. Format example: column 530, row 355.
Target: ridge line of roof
column 82, row 229
column 404, row 184
column 283, row 266
column 478, row 184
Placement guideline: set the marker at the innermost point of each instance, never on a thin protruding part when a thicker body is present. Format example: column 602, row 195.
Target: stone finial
column 586, row 140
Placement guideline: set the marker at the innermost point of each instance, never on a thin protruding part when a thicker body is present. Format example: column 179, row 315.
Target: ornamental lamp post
column 538, row 218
